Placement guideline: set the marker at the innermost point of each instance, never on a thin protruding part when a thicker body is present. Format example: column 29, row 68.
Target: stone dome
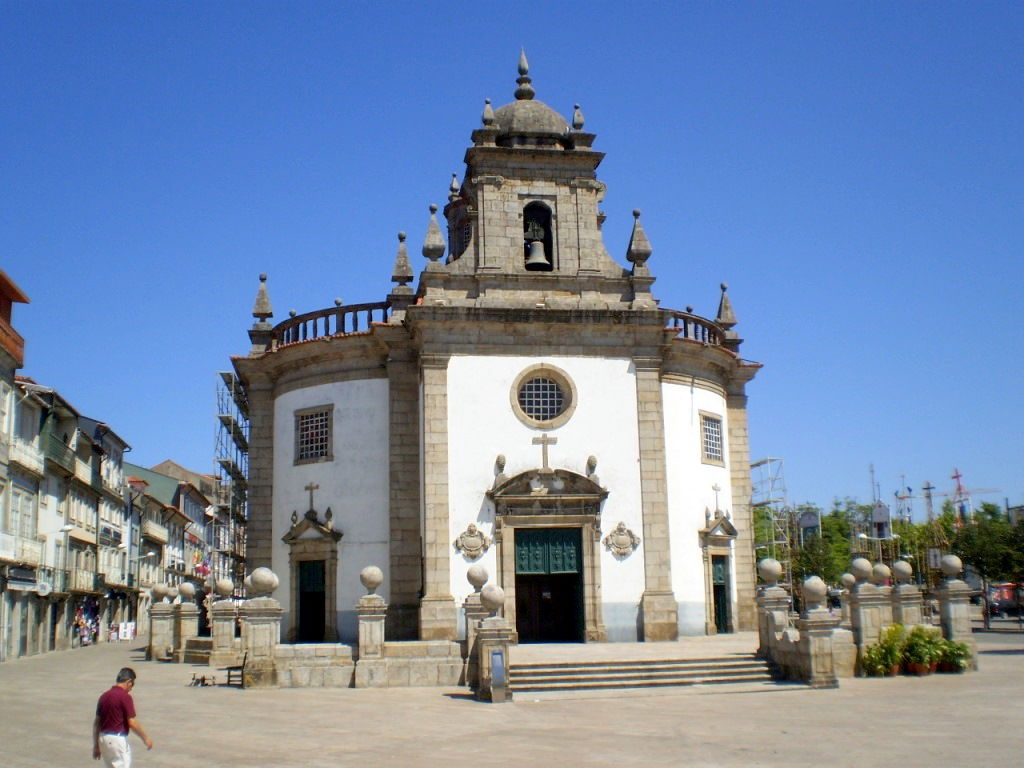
column 529, row 116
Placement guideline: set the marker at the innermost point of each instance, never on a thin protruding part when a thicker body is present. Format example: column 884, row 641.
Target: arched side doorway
column 547, row 532
column 716, row 539
column 313, row 566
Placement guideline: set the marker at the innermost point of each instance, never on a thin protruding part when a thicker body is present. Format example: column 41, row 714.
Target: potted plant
column 873, row 661
column 921, row 649
column 955, row 657
column 891, row 643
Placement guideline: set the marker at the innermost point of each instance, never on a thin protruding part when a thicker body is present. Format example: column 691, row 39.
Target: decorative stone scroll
column 472, row 542
column 621, row 541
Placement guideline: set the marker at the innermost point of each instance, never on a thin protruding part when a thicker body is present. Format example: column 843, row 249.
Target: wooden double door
column 549, row 585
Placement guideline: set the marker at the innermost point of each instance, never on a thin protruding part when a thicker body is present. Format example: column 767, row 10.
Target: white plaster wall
column 690, row 492
column 354, row 485
column 482, row 424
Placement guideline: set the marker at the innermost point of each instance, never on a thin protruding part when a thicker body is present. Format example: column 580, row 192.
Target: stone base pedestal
column 660, row 615
column 438, row 618
column 815, row 648
column 907, row 606
column 475, row 613
column 261, row 632
column 186, row 620
column 224, row 651
column 955, row 614
column 371, row 610
column 259, row 673
column 772, row 618
column 161, row 632
column 493, row 635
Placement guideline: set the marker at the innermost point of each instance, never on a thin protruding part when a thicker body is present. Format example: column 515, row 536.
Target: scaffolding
column 231, row 460
column 774, row 534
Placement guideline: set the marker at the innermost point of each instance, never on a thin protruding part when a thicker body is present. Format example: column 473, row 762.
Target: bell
column 536, row 260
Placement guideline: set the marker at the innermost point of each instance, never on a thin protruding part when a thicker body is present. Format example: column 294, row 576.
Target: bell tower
column 524, row 225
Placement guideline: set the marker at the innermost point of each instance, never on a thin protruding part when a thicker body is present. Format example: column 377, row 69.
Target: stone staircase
column 641, row 673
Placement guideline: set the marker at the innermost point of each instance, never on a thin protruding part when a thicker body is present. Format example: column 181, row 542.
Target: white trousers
column 115, row 750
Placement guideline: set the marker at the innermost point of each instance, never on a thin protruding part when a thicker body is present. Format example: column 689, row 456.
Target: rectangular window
column 711, row 439
column 313, row 434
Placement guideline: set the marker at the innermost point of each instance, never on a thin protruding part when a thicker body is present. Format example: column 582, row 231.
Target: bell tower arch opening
column 538, row 244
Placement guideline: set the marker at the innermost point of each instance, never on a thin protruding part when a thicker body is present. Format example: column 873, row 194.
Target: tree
column 986, row 543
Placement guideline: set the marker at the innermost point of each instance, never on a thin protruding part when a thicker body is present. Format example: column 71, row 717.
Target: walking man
column 115, row 716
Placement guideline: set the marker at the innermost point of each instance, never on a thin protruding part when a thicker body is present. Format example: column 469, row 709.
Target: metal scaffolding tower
column 769, row 499
column 231, row 459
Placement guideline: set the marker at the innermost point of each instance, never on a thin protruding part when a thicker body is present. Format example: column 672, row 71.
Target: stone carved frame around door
column 716, row 539
column 309, row 539
column 551, row 499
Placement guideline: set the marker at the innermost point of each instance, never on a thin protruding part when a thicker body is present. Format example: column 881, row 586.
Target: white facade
column 354, row 483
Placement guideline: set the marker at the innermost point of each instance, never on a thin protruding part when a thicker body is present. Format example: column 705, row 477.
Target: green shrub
column 955, row 655
column 891, row 643
column 922, row 646
column 873, row 661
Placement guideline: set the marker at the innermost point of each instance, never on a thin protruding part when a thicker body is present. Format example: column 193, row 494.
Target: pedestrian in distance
column 115, row 716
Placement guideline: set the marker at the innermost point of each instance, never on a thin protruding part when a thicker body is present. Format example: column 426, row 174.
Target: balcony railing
column 695, row 328
column 26, row 454
column 155, row 531
column 83, row 580
column 56, row 450
column 350, row 318
column 20, row 549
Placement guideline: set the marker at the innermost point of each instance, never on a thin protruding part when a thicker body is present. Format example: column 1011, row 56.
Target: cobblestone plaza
column 49, row 701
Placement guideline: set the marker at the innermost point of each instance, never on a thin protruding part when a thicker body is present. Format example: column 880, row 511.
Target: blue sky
column 852, row 170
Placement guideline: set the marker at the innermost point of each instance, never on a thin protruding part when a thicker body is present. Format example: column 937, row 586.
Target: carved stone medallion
column 621, row 541
column 472, row 542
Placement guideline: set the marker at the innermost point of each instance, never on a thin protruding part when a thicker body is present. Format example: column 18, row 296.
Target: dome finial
column 488, row 116
column 453, row 189
column 401, row 273
column 577, row 118
column 726, row 316
column 261, row 308
column 433, row 244
column 525, row 90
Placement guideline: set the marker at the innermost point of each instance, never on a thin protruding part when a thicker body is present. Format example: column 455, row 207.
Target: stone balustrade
column 340, row 319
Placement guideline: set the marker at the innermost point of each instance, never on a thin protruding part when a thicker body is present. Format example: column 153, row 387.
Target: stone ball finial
column 951, row 566
column 338, row 302
column 401, row 237
column 848, row 580
column 903, row 571
column 292, row 313
column 263, row 581
column 861, row 569
column 724, row 287
column 172, row 593
column 433, row 208
column 492, row 597
column 814, row 591
column 636, row 213
column 880, row 573
column 224, row 587
column 158, row 592
column 263, row 277
column 372, row 577
column 769, row 569
column 477, row 576
column 187, row 590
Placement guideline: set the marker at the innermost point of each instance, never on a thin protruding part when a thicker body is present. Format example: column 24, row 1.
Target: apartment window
column 313, row 434
column 711, row 439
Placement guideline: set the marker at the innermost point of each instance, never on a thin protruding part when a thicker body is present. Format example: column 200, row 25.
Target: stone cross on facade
column 311, row 487
column 544, row 441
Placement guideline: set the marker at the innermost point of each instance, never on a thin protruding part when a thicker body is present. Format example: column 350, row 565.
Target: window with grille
column 711, row 439
column 313, row 434
column 541, row 398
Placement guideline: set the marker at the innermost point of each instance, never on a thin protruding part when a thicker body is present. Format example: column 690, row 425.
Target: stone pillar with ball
column 493, row 639
column 186, row 619
column 954, row 606
column 772, row 606
column 814, row 647
column 371, row 609
column 474, row 612
column 881, row 575
column 223, row 652
column 261, row 630
column 865, row 606
column 907, row 606
column 161, row 625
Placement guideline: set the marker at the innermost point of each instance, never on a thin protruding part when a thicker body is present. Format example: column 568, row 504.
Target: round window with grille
column 543, row 396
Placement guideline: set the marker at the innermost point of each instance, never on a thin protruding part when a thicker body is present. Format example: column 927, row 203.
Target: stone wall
column 321, row 665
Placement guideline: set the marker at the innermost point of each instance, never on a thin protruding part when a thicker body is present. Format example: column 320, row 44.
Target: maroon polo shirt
column 114, row 709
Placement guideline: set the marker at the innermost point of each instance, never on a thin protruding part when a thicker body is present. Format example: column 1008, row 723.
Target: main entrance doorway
column 312, row 601
column 549, row 585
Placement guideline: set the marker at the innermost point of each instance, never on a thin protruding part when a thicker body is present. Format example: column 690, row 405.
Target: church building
column 525, row 404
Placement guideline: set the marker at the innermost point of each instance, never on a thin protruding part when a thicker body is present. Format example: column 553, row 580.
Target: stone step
column 598, row 675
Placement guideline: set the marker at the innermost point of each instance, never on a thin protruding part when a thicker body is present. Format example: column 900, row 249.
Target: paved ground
column 47, row 703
